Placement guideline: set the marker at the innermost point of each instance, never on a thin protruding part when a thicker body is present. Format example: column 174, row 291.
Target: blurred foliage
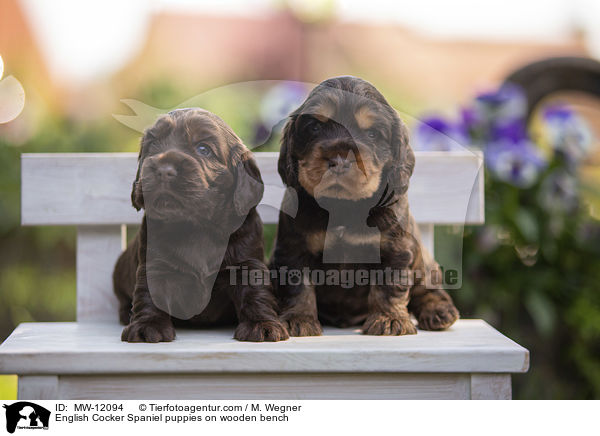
column 37, row 264
column 533, row 270
column 531, row 276
column 270, row 231
column 539, row 287
column 37, row 280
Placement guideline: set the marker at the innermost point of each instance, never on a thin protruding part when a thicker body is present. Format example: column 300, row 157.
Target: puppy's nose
column 339, row 165
column 166, row 171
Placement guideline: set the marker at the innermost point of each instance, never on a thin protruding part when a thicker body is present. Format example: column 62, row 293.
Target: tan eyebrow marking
column 365, row 117
column 324, row 111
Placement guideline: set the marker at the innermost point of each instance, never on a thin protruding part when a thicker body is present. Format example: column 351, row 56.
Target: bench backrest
column 92, row 192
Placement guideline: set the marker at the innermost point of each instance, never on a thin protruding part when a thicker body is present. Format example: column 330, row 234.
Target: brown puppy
column 346, row 153
column 199, row 186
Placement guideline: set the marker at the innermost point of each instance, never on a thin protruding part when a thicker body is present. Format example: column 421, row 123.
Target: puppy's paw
column 381, row 324
column 124, row 315
column 260, row 331
column 148, row 332
column 437, row 315
column 304, row 326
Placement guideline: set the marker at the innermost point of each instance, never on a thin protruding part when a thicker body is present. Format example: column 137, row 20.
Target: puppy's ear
column 403, row 161
column 137, row 196
column 249, row 186
column 286, row 166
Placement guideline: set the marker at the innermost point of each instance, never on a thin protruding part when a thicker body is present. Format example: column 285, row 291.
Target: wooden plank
column 98, row 248
column 447, row 188
column 36, row 387
column 94, row 348
column 94, row 188
column 351, row 386
column 426, row 231
column 77, row 188
column 491, row 387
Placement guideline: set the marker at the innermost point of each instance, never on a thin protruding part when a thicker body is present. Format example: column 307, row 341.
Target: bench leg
column 38, row 387
column 491, row 387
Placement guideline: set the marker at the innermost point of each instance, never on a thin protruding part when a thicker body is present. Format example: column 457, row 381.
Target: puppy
column 198, row 185
column 345, row 152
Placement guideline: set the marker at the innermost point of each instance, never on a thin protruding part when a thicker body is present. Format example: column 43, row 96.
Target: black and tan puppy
column 199, row 186
column 345, row 152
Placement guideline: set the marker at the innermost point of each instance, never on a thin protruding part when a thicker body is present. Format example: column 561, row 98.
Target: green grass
column 8, row 387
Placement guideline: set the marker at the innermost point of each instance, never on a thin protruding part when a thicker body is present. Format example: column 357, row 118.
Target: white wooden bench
column 87, row 360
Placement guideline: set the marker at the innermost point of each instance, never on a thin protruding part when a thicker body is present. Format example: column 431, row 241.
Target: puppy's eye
column 315, row 127
column 203, row 150
column 372, row 133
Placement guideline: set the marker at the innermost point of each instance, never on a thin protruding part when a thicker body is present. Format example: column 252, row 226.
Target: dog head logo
column 26, row 415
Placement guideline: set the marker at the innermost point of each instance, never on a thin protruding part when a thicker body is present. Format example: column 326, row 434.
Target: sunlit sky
column 86, row 39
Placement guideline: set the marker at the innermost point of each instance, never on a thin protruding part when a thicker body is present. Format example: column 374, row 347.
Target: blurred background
column 533, row 271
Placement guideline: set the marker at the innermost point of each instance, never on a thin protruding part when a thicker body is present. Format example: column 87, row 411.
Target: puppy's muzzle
column 341, row 156
column 165, row 166
column 339, row 165
column 166, row 172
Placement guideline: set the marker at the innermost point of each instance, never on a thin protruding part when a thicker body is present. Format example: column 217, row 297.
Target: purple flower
column 518, row 163
column 508, row 101
column 499, row 107
column 494, row 116
column 508, row 129
column 567, row 133
column 436, row 134
column 468, row 122
column 558, row 192
column 558, row 112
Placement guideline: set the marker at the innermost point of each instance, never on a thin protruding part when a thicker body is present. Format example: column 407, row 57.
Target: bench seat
column 87, row 360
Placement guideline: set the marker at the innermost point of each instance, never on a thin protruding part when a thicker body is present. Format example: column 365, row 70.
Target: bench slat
column 98, row 248
column 255, row 386
column 94, row 188
column 96, row 348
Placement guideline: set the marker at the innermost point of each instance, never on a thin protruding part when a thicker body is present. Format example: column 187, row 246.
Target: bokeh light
column 12, row 97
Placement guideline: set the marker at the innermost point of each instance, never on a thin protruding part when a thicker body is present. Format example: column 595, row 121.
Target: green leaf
column 542, row 312
column 527, row 225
